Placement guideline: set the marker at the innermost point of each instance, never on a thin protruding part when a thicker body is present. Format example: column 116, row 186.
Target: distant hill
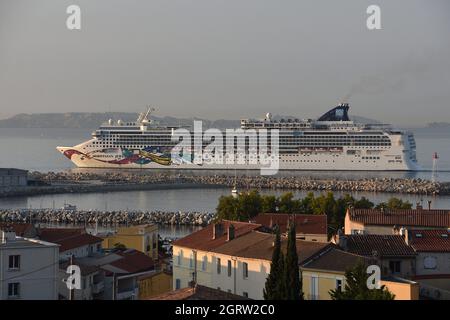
column 93, row 120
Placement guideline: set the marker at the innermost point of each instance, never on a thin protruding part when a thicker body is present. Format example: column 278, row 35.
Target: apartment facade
column 233, row 257
column 28, row 268
column 326, row 271
column 143, row 238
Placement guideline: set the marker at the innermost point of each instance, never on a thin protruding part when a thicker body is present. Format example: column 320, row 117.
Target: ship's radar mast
column 144, row 117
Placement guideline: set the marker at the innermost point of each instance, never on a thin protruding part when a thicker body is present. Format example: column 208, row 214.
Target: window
column 191, row 261
column 204, row 262
column 395, row 266
column 245, row 294
column 245, row 270
column 179, row 257
column 229, row 268
column 177, row 284
column 219, row 266
column 339, row 285
column 13, row 290
column 14, row 262
column 430, row 262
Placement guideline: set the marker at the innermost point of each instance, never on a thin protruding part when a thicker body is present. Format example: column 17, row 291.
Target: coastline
column 67, row 182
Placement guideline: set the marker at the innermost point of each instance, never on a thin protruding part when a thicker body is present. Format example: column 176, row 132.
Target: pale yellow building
column 231, row 256
column 143, row 238
column 326, row 272
column 154, row 284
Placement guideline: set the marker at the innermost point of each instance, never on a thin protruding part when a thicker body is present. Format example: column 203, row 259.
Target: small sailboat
column 234, row 191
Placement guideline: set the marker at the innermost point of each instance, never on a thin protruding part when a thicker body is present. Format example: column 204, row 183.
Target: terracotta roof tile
column 413, row 217
column 133, row 261
column 19, row 228
column 203, row 239
column 304, row 223
column 259, row 245
column 379, row 245
column 430, row 240
column 68, row 238
column 198, row 293
column 334, row 259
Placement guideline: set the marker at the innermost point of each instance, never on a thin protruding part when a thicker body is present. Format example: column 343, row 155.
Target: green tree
column 394, row 203
column 269, row 204
column 286, row 203
column 356, row 287
column 292, row 272
column 249, row 205
column 272, row 287
column 227, row 208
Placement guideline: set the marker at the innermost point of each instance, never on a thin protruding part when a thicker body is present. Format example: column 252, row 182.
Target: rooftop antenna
column 434, row 170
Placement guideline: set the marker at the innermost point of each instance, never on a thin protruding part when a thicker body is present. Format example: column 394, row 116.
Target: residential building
column 28, row 268
column 122, row 272
column 326, row 271
column 231, row 256
column 309, row 227
column 394, row 256
column 198, row 292
column 154, row 284
column 92, row 282
column 74, row 242
column 13, row 177
column 143, row 238
column 385, row 221
column 432, row 261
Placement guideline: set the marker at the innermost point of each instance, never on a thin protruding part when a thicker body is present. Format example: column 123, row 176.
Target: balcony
column 127, row 295
column 98, row 287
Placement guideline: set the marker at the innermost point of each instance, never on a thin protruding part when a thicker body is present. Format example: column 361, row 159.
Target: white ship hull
column 303, row 161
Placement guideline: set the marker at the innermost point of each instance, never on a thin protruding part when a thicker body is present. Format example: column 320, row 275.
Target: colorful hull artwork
column 143, row 157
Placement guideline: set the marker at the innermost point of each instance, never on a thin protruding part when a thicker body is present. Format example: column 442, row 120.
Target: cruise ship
column 331, row 142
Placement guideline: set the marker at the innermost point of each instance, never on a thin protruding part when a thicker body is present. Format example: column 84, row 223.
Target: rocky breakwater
column 106, row 218
column 110, row 179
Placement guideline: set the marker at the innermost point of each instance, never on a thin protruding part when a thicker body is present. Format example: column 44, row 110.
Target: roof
column 379, row 245
column 304, row 223
column 429, row 240
column 198, row 293
column 259, row 245
column 203, row 239
column 12, row 171
column 402, row 217
column 19, row 228
column 333, row 259
column 54, row 234
column 68, row 238
column 84, row 268
column 133, row 261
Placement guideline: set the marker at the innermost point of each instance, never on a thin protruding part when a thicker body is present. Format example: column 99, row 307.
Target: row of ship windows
column 282, row 138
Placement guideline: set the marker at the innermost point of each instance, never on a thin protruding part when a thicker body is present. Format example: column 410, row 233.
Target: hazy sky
column 227, row 58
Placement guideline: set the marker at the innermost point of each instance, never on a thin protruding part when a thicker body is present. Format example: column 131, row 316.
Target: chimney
column 230, row 235
column 342, row 240
column 217, row 230
column 405, row 234
column 7, row 235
